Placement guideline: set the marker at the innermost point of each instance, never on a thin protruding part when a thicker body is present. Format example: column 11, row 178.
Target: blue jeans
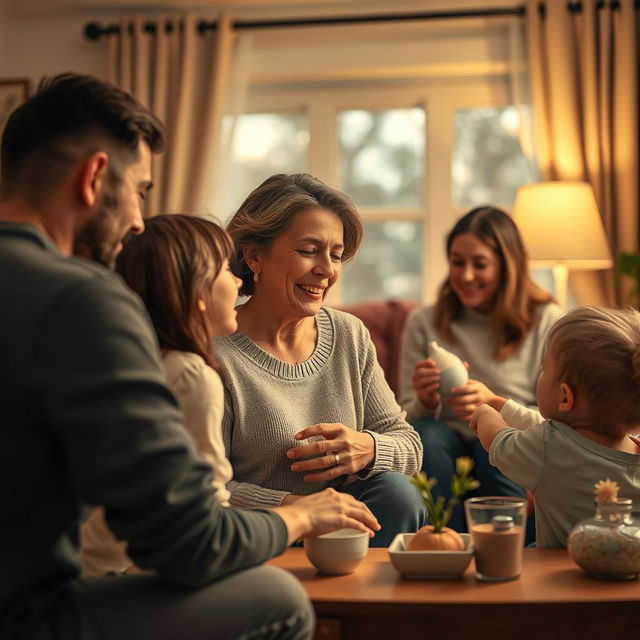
column 394, row 501
column 442, row 446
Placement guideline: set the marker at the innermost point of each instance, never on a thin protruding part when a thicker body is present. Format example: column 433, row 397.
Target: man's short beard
column 94, row 241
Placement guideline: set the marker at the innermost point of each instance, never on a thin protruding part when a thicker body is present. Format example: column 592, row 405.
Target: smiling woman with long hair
column 491, row 314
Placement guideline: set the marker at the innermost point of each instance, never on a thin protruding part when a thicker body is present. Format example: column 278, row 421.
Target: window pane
column 264, row 144
column 388, row 265
column 381, row 156
column 488, row 165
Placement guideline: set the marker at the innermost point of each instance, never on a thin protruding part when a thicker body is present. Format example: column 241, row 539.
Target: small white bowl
column 434, row 565
column 338, row 552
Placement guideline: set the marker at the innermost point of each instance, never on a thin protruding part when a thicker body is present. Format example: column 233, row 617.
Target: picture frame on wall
column 13, row 92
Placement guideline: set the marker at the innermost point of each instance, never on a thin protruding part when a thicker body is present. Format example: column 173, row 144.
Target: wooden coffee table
column 552, row 599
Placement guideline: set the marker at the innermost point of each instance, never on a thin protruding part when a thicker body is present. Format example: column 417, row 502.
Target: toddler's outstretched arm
column 486, row 421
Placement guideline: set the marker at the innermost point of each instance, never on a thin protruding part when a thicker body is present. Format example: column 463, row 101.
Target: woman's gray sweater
column 513, row 378
column 267, row 401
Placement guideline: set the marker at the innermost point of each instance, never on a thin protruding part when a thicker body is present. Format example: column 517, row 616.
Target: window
column 415, row 124
column 264, row 144
column 381, row 166
column 487, row 165
column 381, row 156
column 388, row 265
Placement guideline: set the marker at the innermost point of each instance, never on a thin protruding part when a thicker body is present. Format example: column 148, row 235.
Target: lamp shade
column 560, row 224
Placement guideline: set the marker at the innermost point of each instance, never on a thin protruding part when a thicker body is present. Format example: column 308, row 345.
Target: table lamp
column 562, row 229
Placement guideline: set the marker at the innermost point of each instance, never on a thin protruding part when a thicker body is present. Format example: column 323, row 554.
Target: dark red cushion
column 385, row 322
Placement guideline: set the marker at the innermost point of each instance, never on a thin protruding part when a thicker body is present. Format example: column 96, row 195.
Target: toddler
column 588, row 394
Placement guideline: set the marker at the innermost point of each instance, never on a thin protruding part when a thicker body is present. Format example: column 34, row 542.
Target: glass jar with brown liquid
column 497, row 526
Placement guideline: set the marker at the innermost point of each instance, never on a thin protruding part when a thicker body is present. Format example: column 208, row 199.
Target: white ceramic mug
column 338, row 552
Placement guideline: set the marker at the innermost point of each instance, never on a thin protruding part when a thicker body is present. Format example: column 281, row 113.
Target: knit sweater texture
column 267, row 401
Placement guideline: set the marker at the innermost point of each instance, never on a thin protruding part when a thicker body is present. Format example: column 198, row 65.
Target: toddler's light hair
column 596, row 351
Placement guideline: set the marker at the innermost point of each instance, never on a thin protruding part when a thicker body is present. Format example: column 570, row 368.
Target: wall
column 33, row 47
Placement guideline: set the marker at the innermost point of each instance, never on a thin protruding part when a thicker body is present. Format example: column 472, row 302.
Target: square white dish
column 433, row 565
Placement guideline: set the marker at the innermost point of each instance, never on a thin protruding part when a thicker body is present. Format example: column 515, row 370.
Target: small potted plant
column 436, row 536
column 628, row 266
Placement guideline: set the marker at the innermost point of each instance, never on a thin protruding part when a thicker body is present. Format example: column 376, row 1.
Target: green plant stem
column 438, row 512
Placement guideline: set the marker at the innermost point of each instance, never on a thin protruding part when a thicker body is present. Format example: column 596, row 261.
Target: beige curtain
column 584, row 85
column 183, row 77
column 520, row 94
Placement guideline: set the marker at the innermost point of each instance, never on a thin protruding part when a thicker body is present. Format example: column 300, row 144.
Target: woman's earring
column 256, row 277
column 201, row 305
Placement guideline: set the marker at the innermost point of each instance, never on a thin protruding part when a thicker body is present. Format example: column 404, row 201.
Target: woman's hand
column 324, row 512
column 342, row 451
column 426, row 381
column 466, row 399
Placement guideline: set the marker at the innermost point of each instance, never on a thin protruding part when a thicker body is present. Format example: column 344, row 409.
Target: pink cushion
column 385, row 322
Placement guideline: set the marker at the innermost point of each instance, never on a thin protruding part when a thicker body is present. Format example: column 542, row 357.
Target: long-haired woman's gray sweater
column 513, row 378
column 267, row 401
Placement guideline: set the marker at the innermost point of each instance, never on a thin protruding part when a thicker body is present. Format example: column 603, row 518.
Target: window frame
column 440, row 96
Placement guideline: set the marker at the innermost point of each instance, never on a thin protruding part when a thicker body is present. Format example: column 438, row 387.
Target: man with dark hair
column 86, row 417
column 50, row 134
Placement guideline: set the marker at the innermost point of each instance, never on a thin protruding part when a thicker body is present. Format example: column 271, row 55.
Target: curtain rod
column 94, row 30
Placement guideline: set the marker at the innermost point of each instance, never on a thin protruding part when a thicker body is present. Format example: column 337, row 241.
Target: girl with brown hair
column 491, row 314
column 180, row 268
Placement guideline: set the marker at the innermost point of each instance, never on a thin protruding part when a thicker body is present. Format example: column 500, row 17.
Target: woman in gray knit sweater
column 306, row 402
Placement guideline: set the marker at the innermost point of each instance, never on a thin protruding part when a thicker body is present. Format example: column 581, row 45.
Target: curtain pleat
column 160, row 105
column 214, row 99
column 538, row 71
column 182, row 77
column 625, row 126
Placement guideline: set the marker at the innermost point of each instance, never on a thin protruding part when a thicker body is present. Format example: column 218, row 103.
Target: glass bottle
column 608, row 545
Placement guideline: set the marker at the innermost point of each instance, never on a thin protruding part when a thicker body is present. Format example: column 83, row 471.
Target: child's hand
column 482, row 410
column 466, row 399
column 486, row 422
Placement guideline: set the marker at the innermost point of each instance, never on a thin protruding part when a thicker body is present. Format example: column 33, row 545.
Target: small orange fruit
column 426, row 539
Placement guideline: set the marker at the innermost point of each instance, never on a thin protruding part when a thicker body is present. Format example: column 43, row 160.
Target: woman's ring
column 337, row 457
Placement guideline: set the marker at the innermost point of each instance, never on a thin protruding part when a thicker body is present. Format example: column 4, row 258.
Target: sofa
column 385, row 321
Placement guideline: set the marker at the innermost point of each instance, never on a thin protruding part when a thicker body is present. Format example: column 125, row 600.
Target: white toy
column 452, row 372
